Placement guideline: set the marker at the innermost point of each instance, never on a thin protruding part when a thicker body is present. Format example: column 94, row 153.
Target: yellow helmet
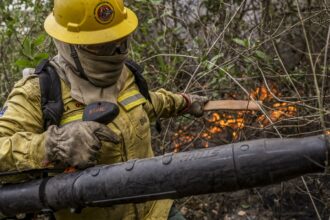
column 90, row 21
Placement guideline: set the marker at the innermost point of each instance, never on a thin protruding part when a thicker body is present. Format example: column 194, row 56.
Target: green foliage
column 30, row 52
column 244, row 43
column 22, row 40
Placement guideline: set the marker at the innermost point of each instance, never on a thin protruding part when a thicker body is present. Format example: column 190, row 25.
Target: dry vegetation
column 274, row 51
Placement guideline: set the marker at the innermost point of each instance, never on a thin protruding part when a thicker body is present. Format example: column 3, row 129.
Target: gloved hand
column 77, row 144
column 195, row 104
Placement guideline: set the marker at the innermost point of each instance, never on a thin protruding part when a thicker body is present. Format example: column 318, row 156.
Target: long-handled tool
column 233, row 105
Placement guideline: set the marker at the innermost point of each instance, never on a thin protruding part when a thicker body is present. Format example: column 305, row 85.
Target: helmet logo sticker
column 104, row 13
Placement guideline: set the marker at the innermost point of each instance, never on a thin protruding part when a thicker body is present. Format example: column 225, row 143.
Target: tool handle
column 233, row 105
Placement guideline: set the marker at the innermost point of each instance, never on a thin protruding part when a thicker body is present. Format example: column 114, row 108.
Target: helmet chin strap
column 76, row 60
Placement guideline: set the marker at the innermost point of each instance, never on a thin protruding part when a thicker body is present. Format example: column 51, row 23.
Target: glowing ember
column 219, row 123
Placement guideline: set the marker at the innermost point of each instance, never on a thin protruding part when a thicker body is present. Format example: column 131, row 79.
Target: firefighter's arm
column 21, row 128
column 165, row 104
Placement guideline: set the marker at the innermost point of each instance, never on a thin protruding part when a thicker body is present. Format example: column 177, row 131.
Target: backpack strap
column 51, row 94
column 137, row 71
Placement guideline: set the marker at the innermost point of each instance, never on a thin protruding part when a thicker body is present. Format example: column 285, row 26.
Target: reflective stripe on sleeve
column 131, row 99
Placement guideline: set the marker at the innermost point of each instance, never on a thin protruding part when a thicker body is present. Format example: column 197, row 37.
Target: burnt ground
column 288, row 200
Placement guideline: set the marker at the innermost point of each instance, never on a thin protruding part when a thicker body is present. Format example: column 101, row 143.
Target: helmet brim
column 121, row 30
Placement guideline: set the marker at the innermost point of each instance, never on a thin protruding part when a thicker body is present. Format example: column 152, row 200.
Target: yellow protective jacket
column 22, row 138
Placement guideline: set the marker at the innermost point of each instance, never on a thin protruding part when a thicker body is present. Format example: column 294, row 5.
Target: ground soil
column 287, row 201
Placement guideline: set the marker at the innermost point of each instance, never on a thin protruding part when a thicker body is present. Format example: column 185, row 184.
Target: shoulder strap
column 137, row 71
column 51, row 94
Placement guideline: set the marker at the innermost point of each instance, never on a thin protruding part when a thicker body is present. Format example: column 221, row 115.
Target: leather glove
column 195, row 104
column 77, row 144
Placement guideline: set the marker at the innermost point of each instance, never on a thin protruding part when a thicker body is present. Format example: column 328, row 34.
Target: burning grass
column 229, row 126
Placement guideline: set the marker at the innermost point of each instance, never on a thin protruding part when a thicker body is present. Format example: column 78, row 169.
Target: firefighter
column 92, row 38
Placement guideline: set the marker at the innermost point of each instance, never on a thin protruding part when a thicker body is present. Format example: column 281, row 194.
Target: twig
column 284, row 68
column 325, row 65
column 213, row 45
column 290, row 102
column 273, row 36
column 310, row 196
column 167, row 55
column 317, row 88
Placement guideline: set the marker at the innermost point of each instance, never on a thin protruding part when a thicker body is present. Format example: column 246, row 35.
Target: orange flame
column 220, row 122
